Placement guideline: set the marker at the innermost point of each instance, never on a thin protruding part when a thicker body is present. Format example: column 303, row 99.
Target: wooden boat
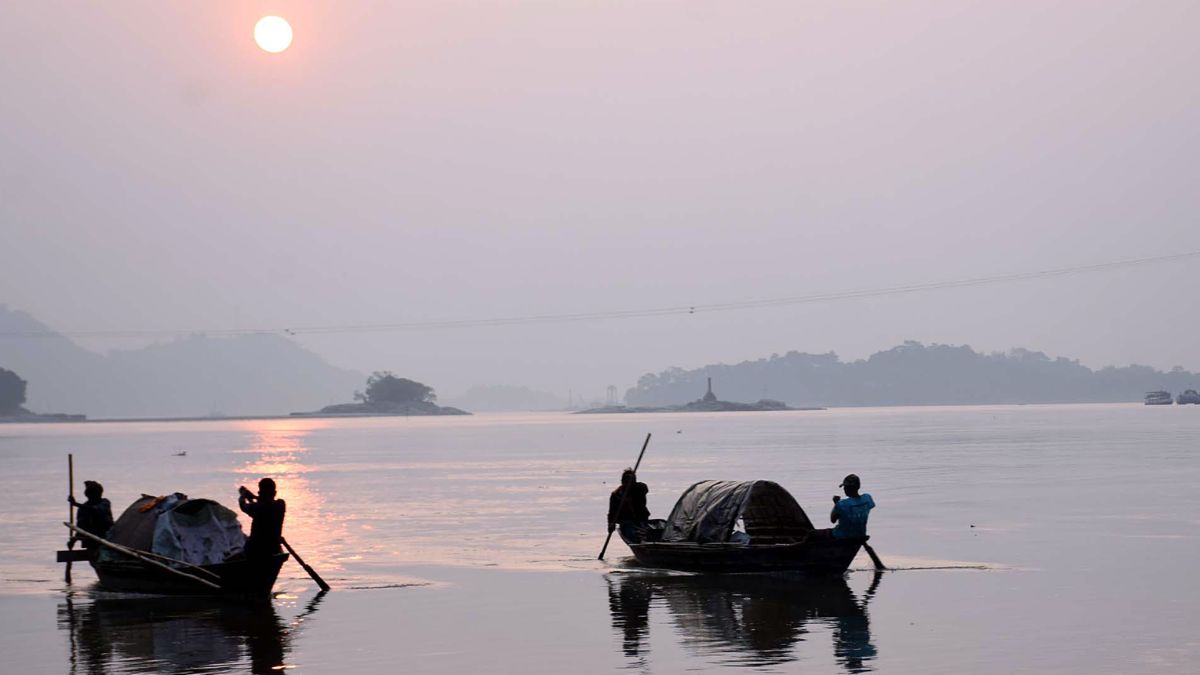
column 1158, row 398
column 702, row 533
column 245, row 577
column 177, row 546
column 1188, row 397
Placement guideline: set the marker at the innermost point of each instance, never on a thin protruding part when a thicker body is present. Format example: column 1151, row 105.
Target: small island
column 707, row 403
column 12, row 398
column 388, row 396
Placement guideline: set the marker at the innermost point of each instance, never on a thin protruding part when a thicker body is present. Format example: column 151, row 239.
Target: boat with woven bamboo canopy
column 739, row 526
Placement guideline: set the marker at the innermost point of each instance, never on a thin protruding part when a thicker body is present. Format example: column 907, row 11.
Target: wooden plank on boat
column 82, row 555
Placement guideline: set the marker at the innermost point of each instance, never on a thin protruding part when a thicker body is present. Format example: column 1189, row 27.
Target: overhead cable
column 601, row 315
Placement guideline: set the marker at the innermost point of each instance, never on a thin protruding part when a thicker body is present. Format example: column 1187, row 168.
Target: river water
column 1045, row 539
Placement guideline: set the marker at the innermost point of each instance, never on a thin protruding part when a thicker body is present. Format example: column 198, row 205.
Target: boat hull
column 824, row 556
column 245, row 577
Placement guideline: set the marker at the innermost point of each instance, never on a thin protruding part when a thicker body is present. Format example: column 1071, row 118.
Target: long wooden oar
column 70, row 507
column 132, row 553
column 311, row 572
column 874, row 558
column 624, row 496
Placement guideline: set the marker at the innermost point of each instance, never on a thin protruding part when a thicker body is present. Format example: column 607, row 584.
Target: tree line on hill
column 12, row 392
column 911, row 374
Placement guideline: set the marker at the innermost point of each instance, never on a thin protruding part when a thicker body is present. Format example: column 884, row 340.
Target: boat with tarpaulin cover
column 739, row 526
column 179, row 546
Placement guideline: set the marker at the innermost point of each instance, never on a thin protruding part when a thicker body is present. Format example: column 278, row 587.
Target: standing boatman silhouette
column 266, row 514
column 95, row 514
column 627, row 505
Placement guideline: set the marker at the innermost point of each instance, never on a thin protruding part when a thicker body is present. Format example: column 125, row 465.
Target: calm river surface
column 1046, row 539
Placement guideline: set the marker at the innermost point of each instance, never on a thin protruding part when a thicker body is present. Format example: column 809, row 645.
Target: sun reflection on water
column 278, row 451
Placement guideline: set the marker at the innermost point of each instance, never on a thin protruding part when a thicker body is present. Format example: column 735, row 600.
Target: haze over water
column 1056, row 539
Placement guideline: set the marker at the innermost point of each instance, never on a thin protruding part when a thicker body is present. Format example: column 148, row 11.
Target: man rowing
column 266, row 514
column 850, row 514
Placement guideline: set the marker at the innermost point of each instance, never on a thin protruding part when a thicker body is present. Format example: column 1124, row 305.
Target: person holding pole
column 616, row 503
column 266, row 526
column 627, row 506
column 94, row 515
column 266, row 514
column 850, row 516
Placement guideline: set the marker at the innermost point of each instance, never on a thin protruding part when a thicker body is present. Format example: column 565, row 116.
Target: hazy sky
column 430, row 160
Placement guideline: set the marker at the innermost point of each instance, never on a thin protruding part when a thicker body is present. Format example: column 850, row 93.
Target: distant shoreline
column 51, row 418
column 106, row 420
column 224, row 418
column 630, row 410
column 254, row 418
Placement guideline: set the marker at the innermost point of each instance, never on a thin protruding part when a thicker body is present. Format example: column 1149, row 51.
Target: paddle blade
column 311, row 572
column 874, row 558
column 316, row 577
column 605, row 547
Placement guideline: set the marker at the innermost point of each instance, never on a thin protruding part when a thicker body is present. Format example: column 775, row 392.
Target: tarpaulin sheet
column 708, row 510
column 200, row 532
column 196, row 531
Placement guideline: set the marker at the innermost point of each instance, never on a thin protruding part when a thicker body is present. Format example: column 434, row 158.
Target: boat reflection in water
column 756, row 619
column 118, row 634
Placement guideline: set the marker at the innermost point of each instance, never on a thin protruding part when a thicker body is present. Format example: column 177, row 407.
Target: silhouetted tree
column 12, row 391
column 385, row 387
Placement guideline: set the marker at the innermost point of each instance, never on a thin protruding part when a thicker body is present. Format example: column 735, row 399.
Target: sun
column 273, row 34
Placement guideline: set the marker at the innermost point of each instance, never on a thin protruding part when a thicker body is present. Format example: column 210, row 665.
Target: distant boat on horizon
column 1159, row 398
column 1188, row 396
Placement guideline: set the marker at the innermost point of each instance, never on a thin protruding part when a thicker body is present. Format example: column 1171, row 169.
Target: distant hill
column 502, row 397
column 912, row 374
column 192, row 376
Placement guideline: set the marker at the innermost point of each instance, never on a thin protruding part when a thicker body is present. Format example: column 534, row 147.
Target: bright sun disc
column 273, row 34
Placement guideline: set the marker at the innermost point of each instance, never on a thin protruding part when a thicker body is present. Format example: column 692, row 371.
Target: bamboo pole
column 70, row 507
column 189, row 565
column 624, row 496
column 149, row 561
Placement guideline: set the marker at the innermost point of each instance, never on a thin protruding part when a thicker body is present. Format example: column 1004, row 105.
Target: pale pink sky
column 419, row 161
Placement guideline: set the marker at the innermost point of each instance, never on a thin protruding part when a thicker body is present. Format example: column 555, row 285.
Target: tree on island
column 387, row 394
column 12, row 391
column 384, row 388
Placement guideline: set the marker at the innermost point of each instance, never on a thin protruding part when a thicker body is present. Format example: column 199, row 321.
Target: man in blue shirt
column 851, row 513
